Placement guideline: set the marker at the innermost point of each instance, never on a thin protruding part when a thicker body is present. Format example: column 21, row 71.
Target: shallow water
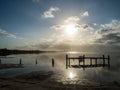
column 89, row 76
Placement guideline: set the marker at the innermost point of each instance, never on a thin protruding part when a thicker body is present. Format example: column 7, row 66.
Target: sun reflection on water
column 72, row 52
column 71, row 75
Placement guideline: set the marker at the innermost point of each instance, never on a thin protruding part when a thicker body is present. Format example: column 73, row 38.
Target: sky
column 66, row 25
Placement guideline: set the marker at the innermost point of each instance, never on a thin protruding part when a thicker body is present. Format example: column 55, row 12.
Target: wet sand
column 41, row 80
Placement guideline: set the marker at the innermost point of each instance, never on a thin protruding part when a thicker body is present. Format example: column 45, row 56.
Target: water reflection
column 72, row 52
column 71, row 75
column 78, row 75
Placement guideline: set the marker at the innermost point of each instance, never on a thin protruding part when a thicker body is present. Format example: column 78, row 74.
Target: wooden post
column 108, row 61
column 20, row 61
column 83, row 62
column 36, row 61
column 66, row 61
column 80, row 59
column 103, row 60
column 0, row 61
column 91, row 61
column 83, row 59
column 96, row 61
column 52, row 62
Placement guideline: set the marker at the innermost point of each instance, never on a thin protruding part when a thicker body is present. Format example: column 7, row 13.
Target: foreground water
column 72, row 75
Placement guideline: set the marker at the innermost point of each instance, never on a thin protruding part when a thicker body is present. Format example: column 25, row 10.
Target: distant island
column 5, row 51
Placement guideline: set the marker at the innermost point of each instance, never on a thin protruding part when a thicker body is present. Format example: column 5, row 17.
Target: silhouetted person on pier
column 52, row 62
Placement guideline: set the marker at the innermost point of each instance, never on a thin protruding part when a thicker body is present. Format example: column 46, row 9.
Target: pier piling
column 83, row 62
column 83, row 59
column 0, row 61
column 52, row 62
column 80, row 59
column 36, row 61
column 103, row 60
column 20, row 61
column 108, row 61
column 66, row 61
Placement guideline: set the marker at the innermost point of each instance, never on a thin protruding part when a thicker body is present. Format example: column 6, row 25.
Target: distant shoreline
column 5, row 52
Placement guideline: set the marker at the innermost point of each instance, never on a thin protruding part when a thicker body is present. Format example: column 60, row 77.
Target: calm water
column 74, row 75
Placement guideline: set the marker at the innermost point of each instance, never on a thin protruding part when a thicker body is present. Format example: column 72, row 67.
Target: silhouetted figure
column 52, row 62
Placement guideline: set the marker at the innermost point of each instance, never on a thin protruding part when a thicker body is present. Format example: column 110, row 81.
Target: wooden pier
column 105, row 62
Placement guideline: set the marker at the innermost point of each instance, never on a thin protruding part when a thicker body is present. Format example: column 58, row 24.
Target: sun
column 70, row 29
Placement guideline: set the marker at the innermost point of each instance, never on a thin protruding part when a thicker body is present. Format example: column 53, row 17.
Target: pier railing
column 83, row 59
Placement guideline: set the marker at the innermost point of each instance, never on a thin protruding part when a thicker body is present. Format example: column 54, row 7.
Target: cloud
column 84, row 33
column 6, row 34
column 115, row 24
column 50, row 43
column 109, row 33
column 107, row 37
column 112, row 38
column 50, row 12
column 70, row 20
column 85, row 14
column 73, row 19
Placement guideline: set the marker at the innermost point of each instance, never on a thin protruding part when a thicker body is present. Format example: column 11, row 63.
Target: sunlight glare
column 73, row 52
column 70, row 29
column 71, row 75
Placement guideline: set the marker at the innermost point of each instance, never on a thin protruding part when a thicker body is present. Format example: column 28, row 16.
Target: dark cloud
column 109, row 33
column 103, row 31
column 111, row 38
column 85, row 26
